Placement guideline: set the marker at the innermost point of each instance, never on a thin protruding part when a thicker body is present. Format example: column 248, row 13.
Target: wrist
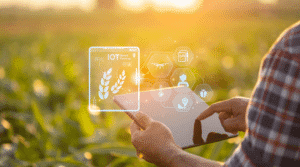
column 169, row 155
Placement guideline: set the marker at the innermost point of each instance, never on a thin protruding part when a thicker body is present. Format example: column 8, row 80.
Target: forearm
column 186, row 159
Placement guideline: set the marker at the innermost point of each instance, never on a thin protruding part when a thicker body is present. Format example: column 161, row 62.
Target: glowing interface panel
column 113, row 71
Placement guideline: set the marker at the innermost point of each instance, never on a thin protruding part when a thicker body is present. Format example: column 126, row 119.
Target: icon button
column 182, row 102
column 183, row 56
column 183, row 81
column 204, row 91
column 160, row 65
column 183, row 77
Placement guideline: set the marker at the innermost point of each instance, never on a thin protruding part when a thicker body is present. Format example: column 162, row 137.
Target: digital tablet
column 177, row 108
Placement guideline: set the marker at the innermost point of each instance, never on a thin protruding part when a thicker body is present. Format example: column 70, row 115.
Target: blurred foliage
column 44, row 78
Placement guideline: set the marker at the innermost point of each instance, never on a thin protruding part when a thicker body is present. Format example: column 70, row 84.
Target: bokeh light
column 234, row 92
column 227, row 62
column 40, row 89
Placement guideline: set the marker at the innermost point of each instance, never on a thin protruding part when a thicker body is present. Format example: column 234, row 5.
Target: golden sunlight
column 268, row 1
column 133, row 5
column 183, row 4
column 161, row 5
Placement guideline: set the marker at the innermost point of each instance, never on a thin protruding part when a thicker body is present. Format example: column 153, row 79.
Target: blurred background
column 44, row 68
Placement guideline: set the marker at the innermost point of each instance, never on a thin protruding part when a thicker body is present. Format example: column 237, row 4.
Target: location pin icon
column 185, row 101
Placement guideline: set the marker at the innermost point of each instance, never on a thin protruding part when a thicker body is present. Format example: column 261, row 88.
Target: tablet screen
column 177, row 108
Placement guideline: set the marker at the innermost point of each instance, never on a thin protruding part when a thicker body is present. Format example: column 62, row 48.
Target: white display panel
column 113, row 71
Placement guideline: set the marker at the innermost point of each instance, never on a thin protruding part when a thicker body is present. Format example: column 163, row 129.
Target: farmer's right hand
column 231, row 113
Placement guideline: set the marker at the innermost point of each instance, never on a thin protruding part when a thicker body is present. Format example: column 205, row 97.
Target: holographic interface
column 116, row 71
column 171, row 69
column 113, row 71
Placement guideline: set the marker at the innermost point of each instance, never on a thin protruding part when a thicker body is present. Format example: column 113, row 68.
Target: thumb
column 143, row 119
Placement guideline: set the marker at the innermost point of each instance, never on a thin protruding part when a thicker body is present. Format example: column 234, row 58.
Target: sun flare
column 161, row 5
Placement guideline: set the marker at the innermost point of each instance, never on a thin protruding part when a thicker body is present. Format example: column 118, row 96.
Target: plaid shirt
column 273, row 133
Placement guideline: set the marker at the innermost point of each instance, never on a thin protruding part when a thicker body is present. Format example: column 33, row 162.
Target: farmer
column 270, row 118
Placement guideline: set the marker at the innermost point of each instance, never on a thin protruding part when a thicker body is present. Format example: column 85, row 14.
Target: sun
column 133, row 5
column 161, row 5
column 183, row 3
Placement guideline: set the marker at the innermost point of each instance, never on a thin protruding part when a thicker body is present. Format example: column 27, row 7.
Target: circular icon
column 183, row 77
column 182, row 102
column 183, row 56
column 160, row 65
column 204, row 91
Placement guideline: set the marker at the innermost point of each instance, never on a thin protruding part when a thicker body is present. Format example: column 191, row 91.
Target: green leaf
column 86, row 124
column 38, row 116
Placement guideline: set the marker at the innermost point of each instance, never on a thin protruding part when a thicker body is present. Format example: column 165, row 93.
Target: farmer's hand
column 155, row 144
column 231, row 113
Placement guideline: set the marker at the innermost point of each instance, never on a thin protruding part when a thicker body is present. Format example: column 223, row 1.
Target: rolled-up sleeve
column 273, row 115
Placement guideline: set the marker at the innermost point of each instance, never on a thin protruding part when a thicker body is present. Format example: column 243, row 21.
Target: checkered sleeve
column 273, row 114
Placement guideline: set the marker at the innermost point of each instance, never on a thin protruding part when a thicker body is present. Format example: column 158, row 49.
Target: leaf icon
column 112, row 88
column 122, row 82
column 106, row 83
column 109, row 71
column 106, row 89
column 123, row 73
column 100, row 95
column 104, row 75
column 119, row 87
column 115, row 91
column 106, row 95
column 102, row 81
column 101, row 88
column 108, row 77
column 124, row 77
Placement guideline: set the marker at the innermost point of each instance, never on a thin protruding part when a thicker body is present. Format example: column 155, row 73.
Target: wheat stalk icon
column 118, row 85
column 104, row 84
column 103, row 87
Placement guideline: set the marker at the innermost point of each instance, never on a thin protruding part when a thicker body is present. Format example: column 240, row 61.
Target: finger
column 223, row 106
column 134, row 128
column 223, row 116
column 143, row 119
column 231, row 125
column 197, row 136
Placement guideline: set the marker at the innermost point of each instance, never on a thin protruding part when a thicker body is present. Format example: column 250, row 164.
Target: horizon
column 131, row 5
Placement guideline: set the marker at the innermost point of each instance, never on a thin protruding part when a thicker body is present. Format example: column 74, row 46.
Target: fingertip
column 143, row 119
